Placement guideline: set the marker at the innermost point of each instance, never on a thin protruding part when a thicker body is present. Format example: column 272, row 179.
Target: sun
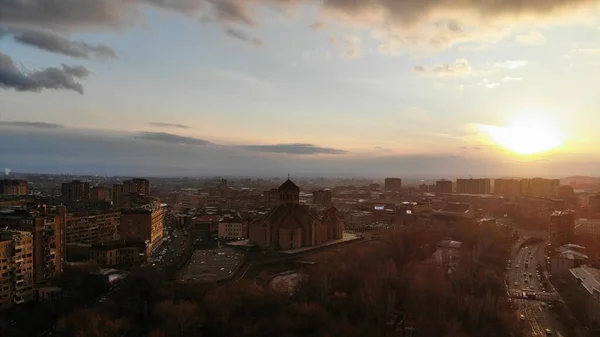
column 526, row 135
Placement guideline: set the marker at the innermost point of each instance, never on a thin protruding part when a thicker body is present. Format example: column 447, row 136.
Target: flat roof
column 588, row 276
column 110, row 245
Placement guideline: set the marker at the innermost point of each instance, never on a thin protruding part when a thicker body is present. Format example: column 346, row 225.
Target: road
column 522, row 274
column 170, row 251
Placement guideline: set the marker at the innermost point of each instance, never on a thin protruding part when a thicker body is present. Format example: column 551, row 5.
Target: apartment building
column 562, row 224
column 322, row 197
column 393, row 184
column 75, row 190
column 510, row 188
column 116, row 253
column 443, row 186
column 231, row 228
column 14, row 187
column 473, row 186
column 92, row 228
column 47, row 227
column 136, row 186
column 143, row 224
column 16, row 268
column 99, row 193
column 540, row 187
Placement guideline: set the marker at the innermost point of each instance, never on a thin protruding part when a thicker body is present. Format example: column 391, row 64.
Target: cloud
column 382, row 149
column 350, row 46
column 586, row 51
column 515, row 64
column 531, row 38
column 397, row 25
column 37, row 125
column 488, row 84
column 460, row 67
column 318, row 26
column 295, row 148
column 59, row 44
column 50, row 78
column 115, row 153
column 168, row 125
column 242, row 36
column 171, row 138
column 511, row 79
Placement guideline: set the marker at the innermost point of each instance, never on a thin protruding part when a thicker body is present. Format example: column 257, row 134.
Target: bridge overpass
column 538, row 296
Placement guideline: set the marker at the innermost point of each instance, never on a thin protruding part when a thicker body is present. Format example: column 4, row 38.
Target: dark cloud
column 396, row 24
column 292, row 149
column 171, row 138
column 241, row 35
column 232, row 11
column 66, row 14
column 405, row 12
column 168, row 125
column 59, row 44
column 12, row 77
column 38, row 125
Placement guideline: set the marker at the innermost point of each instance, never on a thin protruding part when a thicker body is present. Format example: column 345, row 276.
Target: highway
column 522, row 274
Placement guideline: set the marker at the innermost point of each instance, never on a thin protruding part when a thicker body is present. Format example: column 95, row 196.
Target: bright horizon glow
column 527, row 135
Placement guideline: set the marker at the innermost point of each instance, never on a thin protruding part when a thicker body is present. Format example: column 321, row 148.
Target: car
column 525, row 274
column 530, row 276
column 543, row 304
column 516, row 284
column 522, row 317
column 548, row 332
column 517, row 266
column 526, row 280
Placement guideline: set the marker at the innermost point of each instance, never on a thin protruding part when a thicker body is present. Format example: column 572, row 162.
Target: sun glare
column 526, row 135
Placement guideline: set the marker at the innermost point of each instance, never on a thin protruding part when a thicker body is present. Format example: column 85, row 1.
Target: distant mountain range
column 580, row 180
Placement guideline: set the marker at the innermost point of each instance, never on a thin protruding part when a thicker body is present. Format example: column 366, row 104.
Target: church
column 291, row 225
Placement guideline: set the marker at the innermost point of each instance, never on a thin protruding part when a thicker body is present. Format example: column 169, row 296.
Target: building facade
column 99, row 193
column 117, row 195
column 291, row 225
column 509, row 188
column 137, row 186
column 562, row 224
column 14, row 187
column 473, row 186
column 443, row 186
column 322, row 197
column 75, row 190
column 232, row 228
column 119, row 253
column 144, row 224
column 393, row 184
column 47, row 227
column 16, row 268
column 92, row 228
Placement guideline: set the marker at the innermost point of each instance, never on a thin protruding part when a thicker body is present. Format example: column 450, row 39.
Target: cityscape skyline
column 373, row 89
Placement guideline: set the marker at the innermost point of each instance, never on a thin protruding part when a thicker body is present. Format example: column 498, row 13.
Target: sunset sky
column 371, row 87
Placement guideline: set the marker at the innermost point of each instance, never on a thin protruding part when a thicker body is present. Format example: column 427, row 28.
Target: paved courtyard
column 211, row 265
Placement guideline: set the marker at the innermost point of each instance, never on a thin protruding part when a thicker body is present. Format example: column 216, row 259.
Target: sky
column 271, row 87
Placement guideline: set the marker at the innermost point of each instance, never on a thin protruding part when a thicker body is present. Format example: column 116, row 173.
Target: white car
column 548, row 332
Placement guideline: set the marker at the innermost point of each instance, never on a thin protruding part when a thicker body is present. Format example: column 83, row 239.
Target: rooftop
column 289, row 185
column 588, row 276
column 110, row 245
column 562, row 213
column 573, row 255
column 449, row 244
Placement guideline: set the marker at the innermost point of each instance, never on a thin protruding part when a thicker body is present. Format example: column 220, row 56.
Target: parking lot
column 211, row 265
